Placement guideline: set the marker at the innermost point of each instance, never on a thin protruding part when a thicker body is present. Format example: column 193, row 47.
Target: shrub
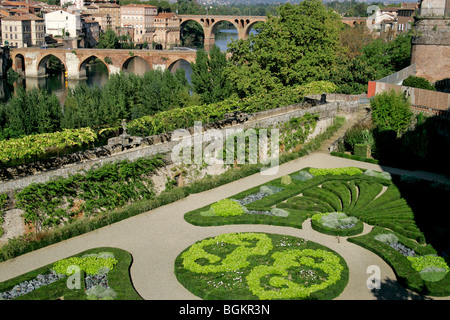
column 89, row 264
column 391, row 111
column 286, row 180
column 418, row 82
column 362, row 150
column 227, row 207
column 419, row 263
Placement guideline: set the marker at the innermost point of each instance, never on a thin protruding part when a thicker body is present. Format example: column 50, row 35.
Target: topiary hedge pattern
column 261, row 266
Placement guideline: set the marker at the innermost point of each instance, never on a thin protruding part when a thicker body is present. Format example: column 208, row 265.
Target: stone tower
column 431, row 42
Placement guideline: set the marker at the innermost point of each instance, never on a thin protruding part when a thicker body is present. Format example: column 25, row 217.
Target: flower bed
column 261, row 266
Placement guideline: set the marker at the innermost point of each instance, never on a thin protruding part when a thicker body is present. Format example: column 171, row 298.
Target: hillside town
column 79, row 23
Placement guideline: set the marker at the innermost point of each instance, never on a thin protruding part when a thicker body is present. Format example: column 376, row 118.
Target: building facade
column 139, row 18
column 167, row 30
column 23, row 30
column 61, row 23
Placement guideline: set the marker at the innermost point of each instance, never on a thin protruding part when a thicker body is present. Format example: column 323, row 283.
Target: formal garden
column 335, row 202
column 266, row 266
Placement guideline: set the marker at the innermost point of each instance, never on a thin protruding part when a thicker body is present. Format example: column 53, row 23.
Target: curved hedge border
column 252, row 266
column 118, row 279
column 403, row 269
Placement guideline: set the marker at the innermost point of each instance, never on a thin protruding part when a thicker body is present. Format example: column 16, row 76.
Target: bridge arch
column 136, row 65
column 182, row 64
column 186, row 26
column 82, row 68
column 42, row 65
column 18, row 64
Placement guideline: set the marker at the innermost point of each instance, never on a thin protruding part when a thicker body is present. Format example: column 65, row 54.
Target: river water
column 96, row 72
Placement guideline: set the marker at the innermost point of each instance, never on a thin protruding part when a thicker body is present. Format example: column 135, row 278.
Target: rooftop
column 23, row 17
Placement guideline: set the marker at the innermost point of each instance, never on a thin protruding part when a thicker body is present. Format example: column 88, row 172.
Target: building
column 111, row 10
column 75, row 3
column 167, row 30
column 23, row 30
column 140, row 18
column 63, row 24
column 90, row 32
column 405, row 16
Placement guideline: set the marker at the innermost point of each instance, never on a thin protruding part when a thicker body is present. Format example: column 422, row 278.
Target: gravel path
column 155, row 239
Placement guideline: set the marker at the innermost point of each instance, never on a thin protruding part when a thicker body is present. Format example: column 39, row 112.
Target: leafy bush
column 90, row 264
column 33, row 145
column 227, row 207
column 391, row 111
column 362, row 150
column 421, row 262
column 286, row 180
column 418, row 82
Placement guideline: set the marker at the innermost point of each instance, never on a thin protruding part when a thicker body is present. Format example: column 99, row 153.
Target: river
column 97, row 74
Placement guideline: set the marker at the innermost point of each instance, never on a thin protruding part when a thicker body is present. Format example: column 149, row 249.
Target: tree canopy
column 289, row 49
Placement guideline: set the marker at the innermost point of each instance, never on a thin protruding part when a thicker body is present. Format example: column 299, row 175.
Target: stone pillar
column 72, row 67
column 210, row 38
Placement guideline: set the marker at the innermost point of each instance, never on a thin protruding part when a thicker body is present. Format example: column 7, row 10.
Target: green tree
column 108, row 40
column 290, row 49
column 32, row 111
column 391, row 112
column 352, row 75
column 209, row 79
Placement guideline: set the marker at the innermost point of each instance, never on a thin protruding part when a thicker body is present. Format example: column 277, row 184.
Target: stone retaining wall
column 163, row 144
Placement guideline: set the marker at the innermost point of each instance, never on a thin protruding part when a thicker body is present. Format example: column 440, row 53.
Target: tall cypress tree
column 208, row 76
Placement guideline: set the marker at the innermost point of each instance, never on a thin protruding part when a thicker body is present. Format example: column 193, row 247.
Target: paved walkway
column 155, row 239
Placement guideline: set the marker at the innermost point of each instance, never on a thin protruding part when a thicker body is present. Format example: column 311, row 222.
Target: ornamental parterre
column 261, row 266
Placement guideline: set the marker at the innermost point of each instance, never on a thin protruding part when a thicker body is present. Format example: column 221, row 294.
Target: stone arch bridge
column 32, row 62
column 209, row 23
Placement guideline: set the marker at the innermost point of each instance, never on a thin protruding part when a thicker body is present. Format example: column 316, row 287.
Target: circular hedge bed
column 336, row 224
column 261, row 266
